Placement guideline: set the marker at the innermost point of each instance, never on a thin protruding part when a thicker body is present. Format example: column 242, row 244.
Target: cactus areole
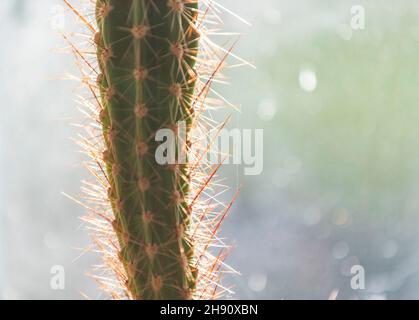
column 146, row 51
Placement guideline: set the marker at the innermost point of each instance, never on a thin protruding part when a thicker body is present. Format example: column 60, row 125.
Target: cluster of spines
column 149, row 77
column 146, row 53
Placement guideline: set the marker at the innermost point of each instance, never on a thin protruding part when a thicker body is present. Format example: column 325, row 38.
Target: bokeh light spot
column 257, row 282
column 308, row 80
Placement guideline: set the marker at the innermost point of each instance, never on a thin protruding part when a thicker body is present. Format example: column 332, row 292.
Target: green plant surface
column 146, row 52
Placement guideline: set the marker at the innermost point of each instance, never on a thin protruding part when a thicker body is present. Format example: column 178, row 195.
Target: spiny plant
column 149, row 65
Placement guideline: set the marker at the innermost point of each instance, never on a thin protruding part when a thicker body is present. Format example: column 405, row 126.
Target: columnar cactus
column 146, row 51
column 155, row 224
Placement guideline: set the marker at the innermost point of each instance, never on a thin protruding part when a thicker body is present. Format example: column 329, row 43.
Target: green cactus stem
column 146, row 51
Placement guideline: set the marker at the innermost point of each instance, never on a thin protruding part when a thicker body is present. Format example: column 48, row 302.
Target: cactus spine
column 156, row 225
column 146, row 51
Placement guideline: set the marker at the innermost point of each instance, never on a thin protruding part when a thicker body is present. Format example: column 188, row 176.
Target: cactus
column 152, row 222
column 146, row 52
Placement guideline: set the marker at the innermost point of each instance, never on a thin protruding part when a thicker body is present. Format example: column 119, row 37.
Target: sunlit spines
column 199, row 214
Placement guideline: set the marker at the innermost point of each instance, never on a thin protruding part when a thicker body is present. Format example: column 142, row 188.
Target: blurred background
column 338, row 102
